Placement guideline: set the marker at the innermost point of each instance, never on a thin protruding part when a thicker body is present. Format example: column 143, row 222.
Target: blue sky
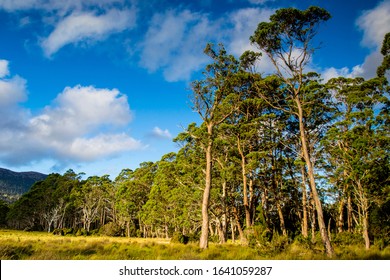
column 102, row 85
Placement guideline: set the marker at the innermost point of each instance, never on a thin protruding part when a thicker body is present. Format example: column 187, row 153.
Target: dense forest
column 284, row 154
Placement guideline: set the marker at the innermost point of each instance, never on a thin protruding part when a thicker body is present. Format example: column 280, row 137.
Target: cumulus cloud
column 175, row 39
column 332, row 72
column 103, row 145
column 13, row 89
column 79, row 27
column 244, row 23
column 69, row 126
column 76, row 21
column 159, row 133
column 79, row 109
column 374, row 24
column 81, row 125
column 174, row 43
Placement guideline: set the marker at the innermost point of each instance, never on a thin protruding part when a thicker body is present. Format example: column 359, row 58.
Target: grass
column 19, row 245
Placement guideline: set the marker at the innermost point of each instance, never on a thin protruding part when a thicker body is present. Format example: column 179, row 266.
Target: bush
column 258, row 236
column 58, row 231
column 81, row 232
column 110, row 229
column 68, row 231
column 305, row 242
column 278, row 243
column 178, row 237
column 348, row 238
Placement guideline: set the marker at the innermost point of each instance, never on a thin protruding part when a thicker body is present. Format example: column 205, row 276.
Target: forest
column 285, row 155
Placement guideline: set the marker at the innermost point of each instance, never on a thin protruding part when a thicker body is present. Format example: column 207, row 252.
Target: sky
column 101, row 85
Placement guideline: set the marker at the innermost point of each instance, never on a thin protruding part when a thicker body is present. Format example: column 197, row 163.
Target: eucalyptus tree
column 168, row 201
column 359, row 144
column 288, row 42
column 89, row 199
column 133, row 189
column 215, row 99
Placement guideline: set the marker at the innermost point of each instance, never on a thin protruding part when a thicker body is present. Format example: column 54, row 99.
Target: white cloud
column 375, row 24
column 81, row 109
column 12, row 90
column 332, row 72
column 259, row 2
column 244, row 22
column 81, row 124
column 4, row 71
column 159, row 133
column 55, row 5
column 79, row 27
column 100, row 146
column 14, row 5
column 68, row 127
column 75, row 21
column 175, row 39
column 174, row 43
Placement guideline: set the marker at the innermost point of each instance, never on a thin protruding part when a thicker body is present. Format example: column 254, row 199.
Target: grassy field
column 19, row 245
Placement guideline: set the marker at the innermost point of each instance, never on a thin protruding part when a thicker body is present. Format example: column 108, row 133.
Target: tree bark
column 310, row 172
column 244, row 186
column 304, row 205
column 281, row 219
column 203, row 244
column 243, row 239
column 340, row 222
column 349, row 213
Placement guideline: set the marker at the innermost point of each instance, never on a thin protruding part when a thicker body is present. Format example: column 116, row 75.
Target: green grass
column 19, row 245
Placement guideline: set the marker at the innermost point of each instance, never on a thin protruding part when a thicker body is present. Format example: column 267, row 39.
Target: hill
column 14, row 184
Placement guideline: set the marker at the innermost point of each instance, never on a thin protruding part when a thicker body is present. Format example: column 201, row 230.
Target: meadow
column 20, row 245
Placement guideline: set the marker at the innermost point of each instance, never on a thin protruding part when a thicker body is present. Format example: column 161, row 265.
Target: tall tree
column 359, row 143
column 287, row 40
column 215, row 99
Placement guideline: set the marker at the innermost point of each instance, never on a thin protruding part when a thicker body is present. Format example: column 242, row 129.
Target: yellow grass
column 45, row 246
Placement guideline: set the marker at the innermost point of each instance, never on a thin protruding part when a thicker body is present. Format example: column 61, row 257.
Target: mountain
column 14, row 184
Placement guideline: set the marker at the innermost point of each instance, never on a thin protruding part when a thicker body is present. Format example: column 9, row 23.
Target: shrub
column 258, row 235
column 58, row 231
column 81, row 232
column 178, row 237
column 348, row 238
column 110, row 229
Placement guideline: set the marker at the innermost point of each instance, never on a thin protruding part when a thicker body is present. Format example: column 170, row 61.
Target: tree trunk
column 281, row 219
column 233, row 230
column 313, row 222
column 365, row 230
column 224, row 213
column 362, row 198
column 305, row 226
column 221, row 234
column 244, row 186
column 203, row 244
column 340, row 222
column 310, row 172
column 243, row 239
column 349, row 213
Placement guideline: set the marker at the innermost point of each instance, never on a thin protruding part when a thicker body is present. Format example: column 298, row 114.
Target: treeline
column 282, row 154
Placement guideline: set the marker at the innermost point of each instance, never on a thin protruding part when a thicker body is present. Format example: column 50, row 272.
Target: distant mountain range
column 14, row 184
